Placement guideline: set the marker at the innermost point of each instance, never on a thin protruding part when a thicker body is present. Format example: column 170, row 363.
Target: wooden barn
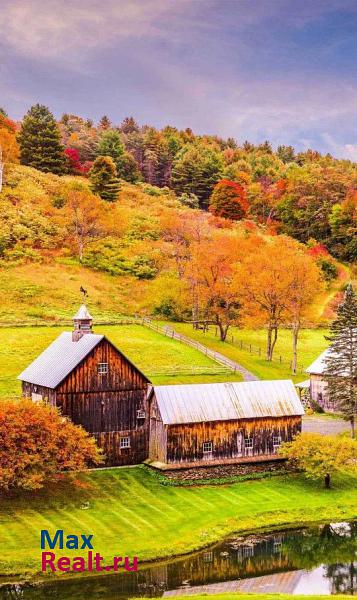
column 221, row 423
column 94, row 384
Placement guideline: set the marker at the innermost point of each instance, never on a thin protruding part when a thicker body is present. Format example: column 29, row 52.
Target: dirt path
column 324, row 425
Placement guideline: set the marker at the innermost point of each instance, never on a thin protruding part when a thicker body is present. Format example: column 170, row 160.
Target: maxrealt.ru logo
column 93, row 561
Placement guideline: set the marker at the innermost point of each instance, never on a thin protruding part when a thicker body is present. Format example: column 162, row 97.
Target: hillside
column 130, row 248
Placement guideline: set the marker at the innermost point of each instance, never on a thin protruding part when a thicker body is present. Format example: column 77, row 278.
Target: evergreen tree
column 103, row 178
column 195, row 171
column 3, row 112
column 341, row 362
column 39, row 140
column 110, row 144
column 104, row 123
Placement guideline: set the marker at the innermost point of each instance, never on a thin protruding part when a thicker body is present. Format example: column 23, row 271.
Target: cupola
column 83, row 322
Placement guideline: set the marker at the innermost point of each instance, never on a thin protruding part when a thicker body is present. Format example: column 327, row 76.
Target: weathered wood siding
column 157, row 435
column 185, row 442
column 38, row 393
column 319, row 392
column 107, row 405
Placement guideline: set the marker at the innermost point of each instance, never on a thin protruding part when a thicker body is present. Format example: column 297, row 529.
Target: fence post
column 241, row 344
column 250, row 348
column 280, row 359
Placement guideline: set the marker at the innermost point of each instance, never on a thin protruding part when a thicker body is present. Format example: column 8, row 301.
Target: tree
column 9, row 148
column 228, row 200
column 341, row 362
column 37, row 443
column 305, row 287
column 286, row 153
column 3, row 112
column 104, row 122
column 320, row 456
column 39, row 140
column 103, row 178
column 110, row 144
column 195, row 170
column 84, row 218
column 211, row 276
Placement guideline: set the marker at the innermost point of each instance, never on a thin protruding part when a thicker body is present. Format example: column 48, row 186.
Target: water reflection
column 319, row 559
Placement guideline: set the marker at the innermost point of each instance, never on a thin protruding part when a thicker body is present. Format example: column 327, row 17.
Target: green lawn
column 312, row 343
column 238, row 596
column 129, row 511
column 164, row 360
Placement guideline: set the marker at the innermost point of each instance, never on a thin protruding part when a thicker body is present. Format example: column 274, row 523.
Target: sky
column 283, row 70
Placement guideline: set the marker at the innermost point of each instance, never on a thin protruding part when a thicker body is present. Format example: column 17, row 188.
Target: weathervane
column 83, row 292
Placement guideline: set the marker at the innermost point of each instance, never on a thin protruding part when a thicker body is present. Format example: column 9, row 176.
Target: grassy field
column 164, row 360
column 129, row 511
column 312, row 343
column 238, row 596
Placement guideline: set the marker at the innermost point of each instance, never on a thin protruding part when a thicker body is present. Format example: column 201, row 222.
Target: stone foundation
column 221, row 471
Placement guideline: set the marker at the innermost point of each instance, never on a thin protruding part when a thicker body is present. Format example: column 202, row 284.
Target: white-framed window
column 140, row 414
column 277, row 547
column 248, row 442
column 36, row 397
column 125, row 442
column 103, row 368
column 276, row 441
column 208, row 557
column 207, row 447
column 248, row 551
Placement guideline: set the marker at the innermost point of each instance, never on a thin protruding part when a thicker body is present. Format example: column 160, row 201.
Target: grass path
column 129, row 511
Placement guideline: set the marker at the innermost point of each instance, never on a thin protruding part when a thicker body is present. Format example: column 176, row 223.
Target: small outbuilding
column 318, row 383
column 222, row 423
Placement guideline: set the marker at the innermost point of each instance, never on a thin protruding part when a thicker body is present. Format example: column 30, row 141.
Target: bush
column 36, row 443
column 328, row 268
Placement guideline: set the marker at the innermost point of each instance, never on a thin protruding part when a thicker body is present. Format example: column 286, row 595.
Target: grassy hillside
column 164, row 360
column 131, row 508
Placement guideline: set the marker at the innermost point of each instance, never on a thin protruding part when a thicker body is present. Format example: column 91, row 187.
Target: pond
column 320, row 559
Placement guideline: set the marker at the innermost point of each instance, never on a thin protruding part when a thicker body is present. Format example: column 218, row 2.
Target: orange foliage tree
column 37, row 443
column 228, row 200
column 280, row 282
column 9, row 148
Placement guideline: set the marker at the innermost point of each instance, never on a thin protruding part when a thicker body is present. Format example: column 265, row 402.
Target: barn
column 318, row 383
column 222, row 423
column 95, row 385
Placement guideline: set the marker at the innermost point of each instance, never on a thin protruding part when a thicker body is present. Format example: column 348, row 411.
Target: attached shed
column 318, row 382
column 222, row 422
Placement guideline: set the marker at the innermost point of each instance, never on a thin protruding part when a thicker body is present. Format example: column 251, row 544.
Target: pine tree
column 341, row 362
column 103, row 178
column 104, row 123
column 110, row 144
column 40, row 144
column 3, row 112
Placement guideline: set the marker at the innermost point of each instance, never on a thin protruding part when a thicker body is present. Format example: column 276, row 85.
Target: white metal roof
column 195, row 403
column 59, row 359
column 83, row 313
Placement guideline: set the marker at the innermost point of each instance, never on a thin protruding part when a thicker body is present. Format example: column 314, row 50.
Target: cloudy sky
column 252, row 69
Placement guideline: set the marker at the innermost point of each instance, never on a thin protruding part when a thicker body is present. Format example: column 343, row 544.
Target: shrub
column 36, row 443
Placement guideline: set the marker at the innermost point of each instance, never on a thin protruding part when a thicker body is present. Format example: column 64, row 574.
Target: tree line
column 305, row 195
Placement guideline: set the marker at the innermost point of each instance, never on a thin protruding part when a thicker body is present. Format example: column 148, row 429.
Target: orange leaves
column 36, row 442
column 229, row 200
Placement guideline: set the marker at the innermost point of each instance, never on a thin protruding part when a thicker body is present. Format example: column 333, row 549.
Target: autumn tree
column 104, row 123
column 306, row 285
column 9, row 148
column 40, row 144
column 84, row 218
column 37, row 443
column 341, row 362
column 212, row 279
column 228, row 200
column 103, row 178
column 275, row 280
column 321, row 456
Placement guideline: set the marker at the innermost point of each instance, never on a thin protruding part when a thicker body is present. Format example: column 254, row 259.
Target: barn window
column 248, row 551
column 140, row 414
column 208, row 557
column 248, row 442
column 125, row 442
column 103, row 368
column 276, row 441
column 207, row 447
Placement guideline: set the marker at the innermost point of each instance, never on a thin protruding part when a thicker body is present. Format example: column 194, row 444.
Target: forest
column 217, row 231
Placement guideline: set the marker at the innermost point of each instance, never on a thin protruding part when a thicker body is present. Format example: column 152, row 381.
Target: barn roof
column 59, row 359
column 195, row 403
column 319, row 365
